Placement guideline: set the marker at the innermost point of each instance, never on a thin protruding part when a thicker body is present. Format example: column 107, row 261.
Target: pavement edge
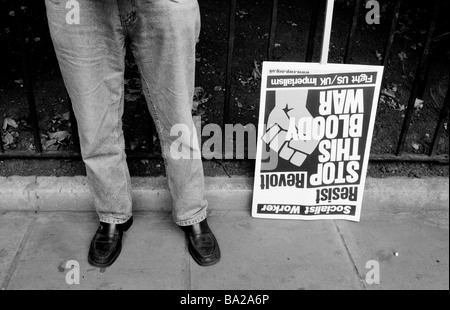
column 40, row 193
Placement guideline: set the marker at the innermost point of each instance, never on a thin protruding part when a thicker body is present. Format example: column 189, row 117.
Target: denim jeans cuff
column 193, row 221
column 109, row 220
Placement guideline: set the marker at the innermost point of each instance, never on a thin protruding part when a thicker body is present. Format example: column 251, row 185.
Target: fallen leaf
column 53, row 147
column 133, row 145
column 387, row 93
column 256, row 74
column 379, row 56
column 418, row 104
column 201, row 112
column 131, row 97
column 59, row 135
column 242, row 13
column 8, row 139
column 66, row 116
column 48, row 143
column 195, row 104
column 9, row 122
column 402, row 56
column 198, row 91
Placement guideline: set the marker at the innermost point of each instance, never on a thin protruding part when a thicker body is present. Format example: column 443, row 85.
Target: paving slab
column 256, row 253
column 154, row 255
column 260, row 254
column 411, row 249
column 13, row 229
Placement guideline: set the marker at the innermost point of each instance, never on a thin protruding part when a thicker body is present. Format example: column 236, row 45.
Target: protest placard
column 316, row 123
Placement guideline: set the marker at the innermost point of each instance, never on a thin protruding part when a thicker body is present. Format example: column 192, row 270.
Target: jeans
column 89, row 41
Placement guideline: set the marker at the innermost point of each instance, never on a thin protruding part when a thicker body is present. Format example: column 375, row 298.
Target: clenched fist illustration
column 289, row 104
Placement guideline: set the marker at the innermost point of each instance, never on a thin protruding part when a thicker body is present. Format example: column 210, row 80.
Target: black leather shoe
column 202, row 244
column 107, row 243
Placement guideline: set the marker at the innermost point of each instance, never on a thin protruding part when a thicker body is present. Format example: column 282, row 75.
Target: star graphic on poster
column 287, row 110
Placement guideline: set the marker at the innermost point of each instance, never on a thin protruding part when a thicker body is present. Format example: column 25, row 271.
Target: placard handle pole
column 327, row 32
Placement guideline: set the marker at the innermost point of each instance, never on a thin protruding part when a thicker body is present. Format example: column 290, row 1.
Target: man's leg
column 164, row 39
column 89, row 44
column 164, row 36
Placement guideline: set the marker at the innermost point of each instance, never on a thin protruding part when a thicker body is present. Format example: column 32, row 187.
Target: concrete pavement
column 408, row 239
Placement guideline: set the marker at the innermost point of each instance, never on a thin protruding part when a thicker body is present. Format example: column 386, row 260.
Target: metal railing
column 417, row 90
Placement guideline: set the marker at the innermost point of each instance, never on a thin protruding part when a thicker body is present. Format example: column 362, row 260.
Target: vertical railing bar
column 150, row 132
column 231, row 34
column 352, row 33
column 273, row 27
column 27, row 77
column 313, row 30
column 440, row 125
column 424, row 79
column 74, row 126
column 390, row 40
column 417, row 79
column 2, row 150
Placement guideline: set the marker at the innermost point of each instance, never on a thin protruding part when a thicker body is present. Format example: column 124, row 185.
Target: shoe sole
column 204, row 264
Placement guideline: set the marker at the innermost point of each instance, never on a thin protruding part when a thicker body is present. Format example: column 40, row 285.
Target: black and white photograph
column 217, row 152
